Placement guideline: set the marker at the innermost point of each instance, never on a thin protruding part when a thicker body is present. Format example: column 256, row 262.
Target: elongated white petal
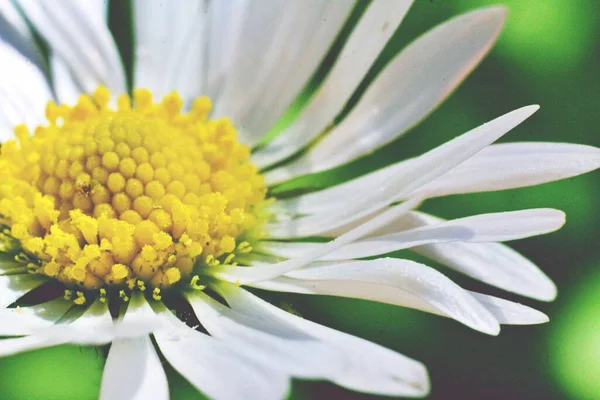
column 492, row 263
column 360, row 51
column 168, row 41
column 66, row 89
column 408, row 89
column 513, row 165
column 293, row 57
column 216, row 368
column 91, row 326
column 222, row 43
column 133, row 371
column 278, row 48
column 377, row 195
column 369, row 367
column 96, row 8
column 497, row 167
column 81, row 39
column 393, row 281
column 493, row 227
column 244, row 275
column 26, row 320
column 95, row 325
column 23, row 92
column 510, row 313
column 288, row 350
column 138, row 319
column 12, row 287
column 9, row 347
column 329, row 199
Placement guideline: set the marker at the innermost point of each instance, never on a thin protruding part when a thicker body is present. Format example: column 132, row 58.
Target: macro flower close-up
column 151, row 212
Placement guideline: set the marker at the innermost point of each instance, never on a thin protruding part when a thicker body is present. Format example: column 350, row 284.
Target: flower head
column 129, row 198
column 139, row 221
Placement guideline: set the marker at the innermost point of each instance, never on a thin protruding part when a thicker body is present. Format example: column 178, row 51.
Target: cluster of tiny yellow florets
column 129, row 196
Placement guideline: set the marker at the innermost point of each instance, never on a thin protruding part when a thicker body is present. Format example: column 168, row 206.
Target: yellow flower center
column 133, row 197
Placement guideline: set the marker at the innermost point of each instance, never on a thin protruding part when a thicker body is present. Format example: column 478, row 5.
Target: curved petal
column 369, row 367
column 509, row 313
column 81, row 39
column 497, row 167
column 409, row 88
column 376, row 195
column 495, row 227
column 393, row 281
column 366, row 41
column 217, row 368
column 492, row 263
column 287, row 350
column 134, row 371
column 9, row 347
column 244, row 275
column 279, row 46
column 514, row 165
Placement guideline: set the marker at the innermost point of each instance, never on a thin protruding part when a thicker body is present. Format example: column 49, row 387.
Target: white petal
column 497, row 167
column 87, row 46
column 408, row 89
column 369, row 367
column 495, row 227
column 23, row 92
column 162, row 31
column 137, row 319
column 66, row 89
column 134, row 371
column 393, row 281
column 216, row 368
column 26, row 320
column 95, row 325
column 288, row 350
column 9, row 347
column 12, row 287
column 365, row 43
column 514, row 165
column 278, row 47
column 96, row 8
column 377, row 194
column 222, row 43
column 509, row 313
column 244, row 275
column 91, row 326
column 492, row 263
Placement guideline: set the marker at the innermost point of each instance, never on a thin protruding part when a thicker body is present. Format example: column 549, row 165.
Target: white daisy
column 142, row 223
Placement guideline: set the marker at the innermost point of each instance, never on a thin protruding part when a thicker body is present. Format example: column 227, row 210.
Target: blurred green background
column 548, row 54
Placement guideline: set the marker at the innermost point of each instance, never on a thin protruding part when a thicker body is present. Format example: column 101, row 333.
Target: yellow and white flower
column 139, row 218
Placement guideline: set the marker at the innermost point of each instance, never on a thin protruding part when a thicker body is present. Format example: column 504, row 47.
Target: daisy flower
column 144, row 218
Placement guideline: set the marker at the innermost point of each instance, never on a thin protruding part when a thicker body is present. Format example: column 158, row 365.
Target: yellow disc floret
column 137, row 196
